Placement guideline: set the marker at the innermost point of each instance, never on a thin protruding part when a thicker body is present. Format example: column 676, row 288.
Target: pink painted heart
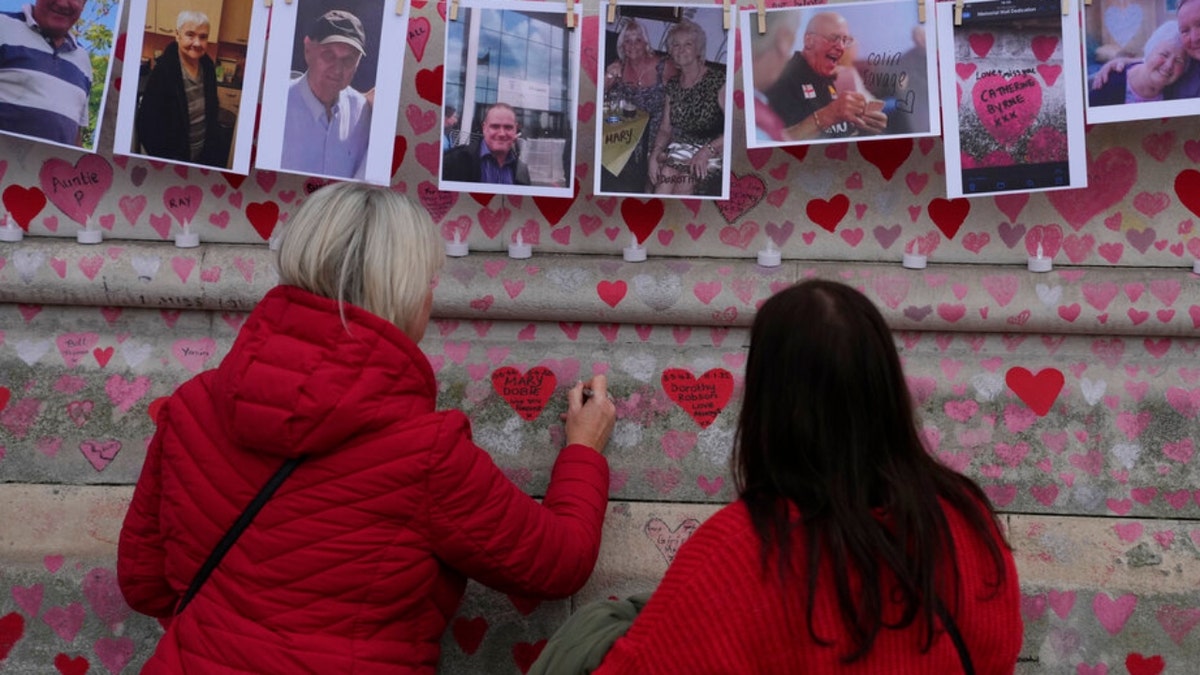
column 100, row 453
column 183, row 202
column 192, row 354
column 1007, row 106
column 76, row 189
column 1110, row 177
column 420, row 120
column 418, row 35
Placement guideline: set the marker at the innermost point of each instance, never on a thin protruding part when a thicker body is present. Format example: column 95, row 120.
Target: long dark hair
column 827, row 425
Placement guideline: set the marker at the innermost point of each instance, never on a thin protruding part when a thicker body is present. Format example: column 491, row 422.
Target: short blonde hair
column 366, row 246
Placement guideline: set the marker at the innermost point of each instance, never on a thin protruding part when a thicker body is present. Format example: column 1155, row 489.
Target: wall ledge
column 587, row 288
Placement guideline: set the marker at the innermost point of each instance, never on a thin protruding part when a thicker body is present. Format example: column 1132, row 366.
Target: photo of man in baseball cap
column 328, row 122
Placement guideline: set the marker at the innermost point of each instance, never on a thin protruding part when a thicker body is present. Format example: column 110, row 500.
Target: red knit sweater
column 715, row 612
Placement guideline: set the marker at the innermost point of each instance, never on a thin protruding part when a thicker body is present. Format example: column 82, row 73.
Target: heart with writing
column 745, row 192
column 1007, row 106
column 183, row 202
column 76, row 189
column 701, row 397
column 668, row 540
column 1038, row 391
column 526, row 393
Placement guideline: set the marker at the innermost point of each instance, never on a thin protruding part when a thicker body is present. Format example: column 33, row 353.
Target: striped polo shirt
column 43, row 89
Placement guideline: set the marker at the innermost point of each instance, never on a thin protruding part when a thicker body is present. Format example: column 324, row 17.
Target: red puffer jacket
column 360, row 559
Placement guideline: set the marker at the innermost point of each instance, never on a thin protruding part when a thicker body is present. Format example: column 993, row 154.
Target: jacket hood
column 299, row 381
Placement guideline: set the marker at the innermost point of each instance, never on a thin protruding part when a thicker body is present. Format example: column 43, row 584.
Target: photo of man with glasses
column 807, row 97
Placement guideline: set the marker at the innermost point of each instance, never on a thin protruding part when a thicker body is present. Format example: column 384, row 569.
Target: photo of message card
column 1013, row 72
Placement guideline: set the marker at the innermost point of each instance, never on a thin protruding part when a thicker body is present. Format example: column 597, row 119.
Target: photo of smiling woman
column 189, row 76
column 177, row 117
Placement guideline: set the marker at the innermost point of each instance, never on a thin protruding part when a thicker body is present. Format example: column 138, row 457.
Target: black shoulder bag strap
column 952, row 629
column 236, row 530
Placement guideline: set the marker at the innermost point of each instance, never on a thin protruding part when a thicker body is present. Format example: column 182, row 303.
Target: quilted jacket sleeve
column 140, row 553
column 485, row 527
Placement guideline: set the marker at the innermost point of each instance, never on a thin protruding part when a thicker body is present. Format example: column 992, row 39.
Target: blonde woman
column 361, row 556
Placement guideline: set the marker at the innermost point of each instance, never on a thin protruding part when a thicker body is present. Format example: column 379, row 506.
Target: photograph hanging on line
column 1142, row 59
column 1012, row 93
column 55, row 65
column 509, row 120
column 664, row 98
column 190, row 82
column 335, row 84
column 839, row 72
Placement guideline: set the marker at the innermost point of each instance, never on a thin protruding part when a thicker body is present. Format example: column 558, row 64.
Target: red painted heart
column 1187, row 188
column 12, row 627
column 887, row 155
column 1037, row 391
column 827, row 214
column 468, row 633
column 263, row 217
column 949, row 214
column 24, row 204
column 554, row 208
column 429, row 84
column 71, row 666
column 399, row 148
column 703, row 398
column 745, row 192
column 528, row 393
column 642, row 216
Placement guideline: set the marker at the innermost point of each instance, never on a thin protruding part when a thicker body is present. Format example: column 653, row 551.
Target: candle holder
column 518, row 249
column 187, row 238
column 634, row 252
column 457, row 248
column 770, row 256
column 88, row 235
column 10, row 232
column 913, row 259
column 1040, row 263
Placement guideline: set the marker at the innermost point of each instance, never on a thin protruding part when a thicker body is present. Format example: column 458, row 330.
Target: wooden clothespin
column 571, row 13
column 612, row 10
column 725, row 10
column 958, row 4
column 399, row 7
column 266, row 3
column 920, row 11
column 761, row 11
column 453, row 13
column 1066, row 7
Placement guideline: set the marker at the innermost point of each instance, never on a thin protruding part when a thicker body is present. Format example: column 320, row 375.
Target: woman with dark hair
column 850, row 549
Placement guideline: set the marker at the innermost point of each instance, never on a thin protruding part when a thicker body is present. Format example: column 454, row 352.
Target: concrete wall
column 1073, row 396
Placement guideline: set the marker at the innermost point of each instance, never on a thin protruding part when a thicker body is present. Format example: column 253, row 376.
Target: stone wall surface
column 1072, row 397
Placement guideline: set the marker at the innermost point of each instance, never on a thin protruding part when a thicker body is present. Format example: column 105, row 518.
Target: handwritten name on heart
column 1037, row 391
column 183, row 202
column 703, row 398
column 76, row 189
column 527, row 393
column 667, row 540
column 1007, row 106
